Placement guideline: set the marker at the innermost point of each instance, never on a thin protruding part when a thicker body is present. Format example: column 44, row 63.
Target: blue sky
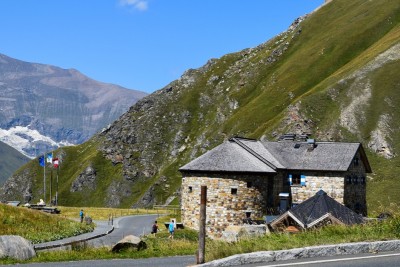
column 139, row 44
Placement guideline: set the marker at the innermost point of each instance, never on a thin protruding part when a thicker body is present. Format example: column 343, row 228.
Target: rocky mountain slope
column 43, row 107
column 333, row 74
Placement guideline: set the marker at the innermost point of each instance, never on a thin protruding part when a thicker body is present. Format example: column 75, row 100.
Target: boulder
column 129, row 242
column 234, row 233
column 16, row 247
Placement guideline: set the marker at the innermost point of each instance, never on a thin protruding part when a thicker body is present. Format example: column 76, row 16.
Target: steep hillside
column 43, row 106
column 333, row 74
column 10, row 161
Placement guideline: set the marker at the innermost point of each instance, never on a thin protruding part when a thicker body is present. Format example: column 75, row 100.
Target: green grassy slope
column 38, row 226
column 10, row 161
column 334, row 75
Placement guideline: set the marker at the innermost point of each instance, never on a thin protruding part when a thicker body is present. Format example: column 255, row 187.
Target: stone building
column 247, row 179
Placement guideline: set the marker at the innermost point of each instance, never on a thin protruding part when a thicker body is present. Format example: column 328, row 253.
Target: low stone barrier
column 234, row 233
column 306, row 252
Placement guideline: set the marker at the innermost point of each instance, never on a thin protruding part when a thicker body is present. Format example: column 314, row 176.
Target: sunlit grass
column 97, row 213
column 38, row 226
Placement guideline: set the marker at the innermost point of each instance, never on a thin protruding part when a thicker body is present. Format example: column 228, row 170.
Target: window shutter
column 302, row 180
column 290, row 179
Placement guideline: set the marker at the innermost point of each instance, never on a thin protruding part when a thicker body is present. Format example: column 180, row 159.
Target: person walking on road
column 81, row 214
column 154, row 228
column 171, row 229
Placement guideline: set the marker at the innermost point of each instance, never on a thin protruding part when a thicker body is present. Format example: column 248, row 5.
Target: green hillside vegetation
column 333, row 75
column 10, row 161
column 38, row 226
column 80, row 157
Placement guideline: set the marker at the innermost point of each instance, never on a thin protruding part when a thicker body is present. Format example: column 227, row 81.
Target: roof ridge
column 314, row 203
column 252, row 152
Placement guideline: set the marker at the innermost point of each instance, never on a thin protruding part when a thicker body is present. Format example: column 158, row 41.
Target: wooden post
column 202, row 230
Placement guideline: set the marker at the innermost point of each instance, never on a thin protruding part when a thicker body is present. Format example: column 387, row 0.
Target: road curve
column 129, row 225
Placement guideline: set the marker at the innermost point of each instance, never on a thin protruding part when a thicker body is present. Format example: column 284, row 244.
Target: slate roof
column 248, row 155
column 258, row 148
column 228, row 157
column 317, row 208
column 325, row 156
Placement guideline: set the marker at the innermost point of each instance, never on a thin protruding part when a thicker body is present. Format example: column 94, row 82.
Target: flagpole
column 57, row 187
column 44, row 177
column 51, row 184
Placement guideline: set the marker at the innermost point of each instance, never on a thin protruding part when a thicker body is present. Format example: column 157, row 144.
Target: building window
column 348, row 179
column 356, row 161
column 234, row 191
column 296, row 179
column 249, row 184
column 362, row 180
column 190, row 189
column 355, row 179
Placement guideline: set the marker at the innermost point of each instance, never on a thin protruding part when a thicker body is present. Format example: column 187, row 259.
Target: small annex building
column 316, row 211
column 248, row 179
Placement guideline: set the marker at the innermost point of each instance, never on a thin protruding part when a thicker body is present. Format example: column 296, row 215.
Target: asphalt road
column 388, row 259
column 130, row 225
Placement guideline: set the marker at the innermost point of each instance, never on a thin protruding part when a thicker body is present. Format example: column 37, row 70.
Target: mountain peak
column 66, row 106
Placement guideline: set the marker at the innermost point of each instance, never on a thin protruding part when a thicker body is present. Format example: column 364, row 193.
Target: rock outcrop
column 16, row 247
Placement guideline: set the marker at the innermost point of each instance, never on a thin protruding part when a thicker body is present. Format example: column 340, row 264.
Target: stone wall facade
column 230, row 199
column 331, row 182
column 348, row 188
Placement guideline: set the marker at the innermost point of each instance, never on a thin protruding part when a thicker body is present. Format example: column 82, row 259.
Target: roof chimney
column 311, row 144
column 288, row 137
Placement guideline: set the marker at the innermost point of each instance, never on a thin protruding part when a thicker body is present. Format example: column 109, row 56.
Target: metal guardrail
column 169, row 207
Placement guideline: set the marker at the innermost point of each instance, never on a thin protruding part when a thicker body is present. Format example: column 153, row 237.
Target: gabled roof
column 326, row 156
column 229, row 157
column 248, row 155
column 318, row 208
column 258, row 148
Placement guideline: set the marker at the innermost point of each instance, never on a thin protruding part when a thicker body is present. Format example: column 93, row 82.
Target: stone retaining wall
column 306, row 252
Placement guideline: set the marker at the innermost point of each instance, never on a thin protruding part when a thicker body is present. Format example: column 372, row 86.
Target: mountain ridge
column 315, row 78
column 62, row 104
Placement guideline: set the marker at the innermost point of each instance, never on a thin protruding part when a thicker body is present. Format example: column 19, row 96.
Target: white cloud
column 141, row 5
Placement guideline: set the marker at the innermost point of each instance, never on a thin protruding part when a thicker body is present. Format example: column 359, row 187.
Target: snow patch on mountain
column 28, row 141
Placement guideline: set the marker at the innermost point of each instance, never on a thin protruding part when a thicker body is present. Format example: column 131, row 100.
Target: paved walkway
column 105, row 233
column 102, row 228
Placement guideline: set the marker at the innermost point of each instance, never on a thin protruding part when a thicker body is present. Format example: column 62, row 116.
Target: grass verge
column 38, row 226
column 186, row 241
column 105, row 213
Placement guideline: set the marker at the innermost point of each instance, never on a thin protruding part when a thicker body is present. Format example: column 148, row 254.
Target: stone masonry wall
column 229, row 198
column 348, row 188
column 332, row 183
